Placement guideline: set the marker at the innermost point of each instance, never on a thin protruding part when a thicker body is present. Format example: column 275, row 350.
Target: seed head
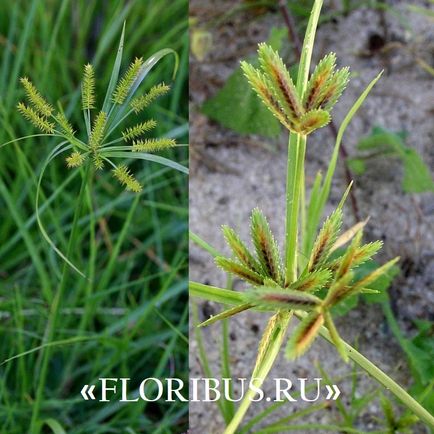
column 141, row 102
column 153, row 145
column 97, row 133
column 123, row 175
column 76, row 159
column 126, row 82
column 138, row 130
column 36, row 119
column 88, row 88
column 38, row 102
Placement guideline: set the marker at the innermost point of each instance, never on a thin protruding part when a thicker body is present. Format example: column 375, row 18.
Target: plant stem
column 382, row 378
column 54, row 311
column 270, row 356
column 295, row 40
column 296, row 154
column 223, row 296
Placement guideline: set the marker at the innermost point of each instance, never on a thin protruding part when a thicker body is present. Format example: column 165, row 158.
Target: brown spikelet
column 318, row 80
column 333, row 89
column 325, row 240
column 348, row 258
column 285, row 299
column 260, row 86
column 266, row 246
column 281, row 82
column 240, row 250
column 304, row 335
column 339, row 290
column 240, row 270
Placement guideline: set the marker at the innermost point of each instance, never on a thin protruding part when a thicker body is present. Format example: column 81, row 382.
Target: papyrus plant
column 317, row 271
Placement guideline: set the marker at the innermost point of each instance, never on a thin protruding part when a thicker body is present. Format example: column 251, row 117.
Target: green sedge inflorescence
column 330, row 271
column 43, row 116
column 301, row 114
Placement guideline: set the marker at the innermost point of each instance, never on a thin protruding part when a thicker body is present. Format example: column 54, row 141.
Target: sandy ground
column 233, row 174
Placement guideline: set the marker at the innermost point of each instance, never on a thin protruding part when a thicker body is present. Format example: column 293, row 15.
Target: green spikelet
column 141, row 102
column 124, row 85
column 304, row 335
column 239, row 270
column 88, row 87
column 312, row 281
column 313, row 120
column 36, row 99
column 284, row 299
column 260, row 86
column 265, row 245
column 366, row 252
column 281, row 83
column 240, row 250
column 64, row 124
column 76, row 159
column 34, row 118
column 325, row 240
column 123, row 175
column 153, row 145
column 97, row 133
column 138, row 130
column 98, row 162
column 322, row 74
column 370, row 278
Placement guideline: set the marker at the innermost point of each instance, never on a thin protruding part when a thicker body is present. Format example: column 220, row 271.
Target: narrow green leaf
column 226, row 314
column 337, row 341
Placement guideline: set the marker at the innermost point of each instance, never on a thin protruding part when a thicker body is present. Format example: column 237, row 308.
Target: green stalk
column 383, row 379
column 296, row 154
column 224, row 296
column 54, row 312
column 270, row 356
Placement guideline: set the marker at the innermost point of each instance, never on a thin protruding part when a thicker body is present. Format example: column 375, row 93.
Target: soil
column 232, row 174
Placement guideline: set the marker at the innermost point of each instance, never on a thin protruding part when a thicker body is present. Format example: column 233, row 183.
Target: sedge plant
column 305, row 285
column 100, row 145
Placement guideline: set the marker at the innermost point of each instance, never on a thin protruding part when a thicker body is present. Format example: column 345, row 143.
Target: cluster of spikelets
column 43, row 116
column 298, row 113
column 328, row 278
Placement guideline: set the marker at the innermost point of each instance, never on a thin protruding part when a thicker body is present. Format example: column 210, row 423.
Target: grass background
column 131, row 320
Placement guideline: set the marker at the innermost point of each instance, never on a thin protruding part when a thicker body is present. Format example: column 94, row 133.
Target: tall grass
column 128, row 318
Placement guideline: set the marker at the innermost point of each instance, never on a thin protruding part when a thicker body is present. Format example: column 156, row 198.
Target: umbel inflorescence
column 54, row 122
column 298, row 113
column 330, row 271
